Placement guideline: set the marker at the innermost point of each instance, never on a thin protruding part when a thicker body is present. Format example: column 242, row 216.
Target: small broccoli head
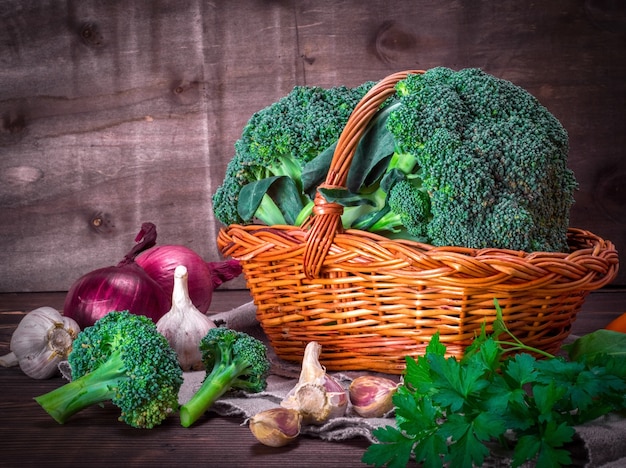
column 252, row 352
column 411, row 205
column 122, row 358
column 282, row 137
column 234, row 360
column 243, row 355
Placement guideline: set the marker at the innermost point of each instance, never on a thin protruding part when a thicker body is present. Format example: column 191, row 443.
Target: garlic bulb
column 184, row 325
column 371, row 396
column 317, row 396
column 276, row 427
column 42, row 339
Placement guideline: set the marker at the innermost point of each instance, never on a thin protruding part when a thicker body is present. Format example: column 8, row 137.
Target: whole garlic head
column 43, row 339
column 317, row 396
column 184, row 325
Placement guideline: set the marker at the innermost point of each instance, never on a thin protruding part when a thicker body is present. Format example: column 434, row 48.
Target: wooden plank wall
column 118, row 112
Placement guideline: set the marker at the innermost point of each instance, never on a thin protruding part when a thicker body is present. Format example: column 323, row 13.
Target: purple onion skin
column 124, row 287
column 159, row 263
column 224, row 271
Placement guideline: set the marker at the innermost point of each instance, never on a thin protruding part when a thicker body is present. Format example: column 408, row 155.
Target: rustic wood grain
column 114, row 113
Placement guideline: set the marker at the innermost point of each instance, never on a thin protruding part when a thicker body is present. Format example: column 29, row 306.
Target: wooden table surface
column 94, row 437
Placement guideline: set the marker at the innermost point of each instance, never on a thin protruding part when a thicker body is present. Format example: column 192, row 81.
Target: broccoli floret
column 122, row 358
column 408, row 211
column 491, row 157
column 277, row 141
column 233, row 360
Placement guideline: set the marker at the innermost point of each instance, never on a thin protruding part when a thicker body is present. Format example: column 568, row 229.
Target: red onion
column 125, row 286
column 161, row 261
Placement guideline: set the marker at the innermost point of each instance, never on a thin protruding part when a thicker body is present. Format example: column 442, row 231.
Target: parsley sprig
column 451, row 411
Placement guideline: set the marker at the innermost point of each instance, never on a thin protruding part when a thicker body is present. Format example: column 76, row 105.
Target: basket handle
column 326, row 220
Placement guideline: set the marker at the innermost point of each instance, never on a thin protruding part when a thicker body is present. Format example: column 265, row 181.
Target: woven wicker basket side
column 378, row 300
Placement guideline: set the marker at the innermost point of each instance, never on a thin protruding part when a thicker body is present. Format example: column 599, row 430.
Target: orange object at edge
column 618, row 324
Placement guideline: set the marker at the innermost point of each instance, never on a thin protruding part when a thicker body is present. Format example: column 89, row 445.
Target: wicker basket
column 371, row 301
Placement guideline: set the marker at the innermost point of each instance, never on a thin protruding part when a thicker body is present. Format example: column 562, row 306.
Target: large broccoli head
column 122, row 358
column 279, row 139
column 492, row 158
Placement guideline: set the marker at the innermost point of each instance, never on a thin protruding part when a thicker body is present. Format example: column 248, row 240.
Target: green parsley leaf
column 451, row 410
column 393, row 450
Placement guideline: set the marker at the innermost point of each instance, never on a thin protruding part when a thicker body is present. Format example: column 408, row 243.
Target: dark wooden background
column 117, row 112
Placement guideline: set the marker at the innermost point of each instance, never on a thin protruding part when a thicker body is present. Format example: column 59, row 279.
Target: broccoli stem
column 218, row 382
column 92, row 388
column 269, row 213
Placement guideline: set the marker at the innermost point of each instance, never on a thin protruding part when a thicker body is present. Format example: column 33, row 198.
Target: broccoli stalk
column 122, row 358
column 92, row 388
column 234, row 361
column 269, row 213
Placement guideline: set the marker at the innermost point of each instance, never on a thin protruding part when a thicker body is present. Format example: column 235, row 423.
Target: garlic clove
column 42, row 339
column 338, row 396
column 184, row 325
column 276, row 427
column 372, row 396
column 9, row 360
column 318, row 396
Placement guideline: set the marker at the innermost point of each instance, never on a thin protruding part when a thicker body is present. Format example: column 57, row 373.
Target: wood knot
column 391, row 42
column 186, row 92
column 21, row 176
column 101, row 222
column 13, row 123
column 13, row 128
column 307, row 59
column 90, row 35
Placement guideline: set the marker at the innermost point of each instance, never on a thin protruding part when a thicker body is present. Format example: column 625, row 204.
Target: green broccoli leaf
column 373, row 152
column 344, row 197
column 315, row 171
column 281, row 190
